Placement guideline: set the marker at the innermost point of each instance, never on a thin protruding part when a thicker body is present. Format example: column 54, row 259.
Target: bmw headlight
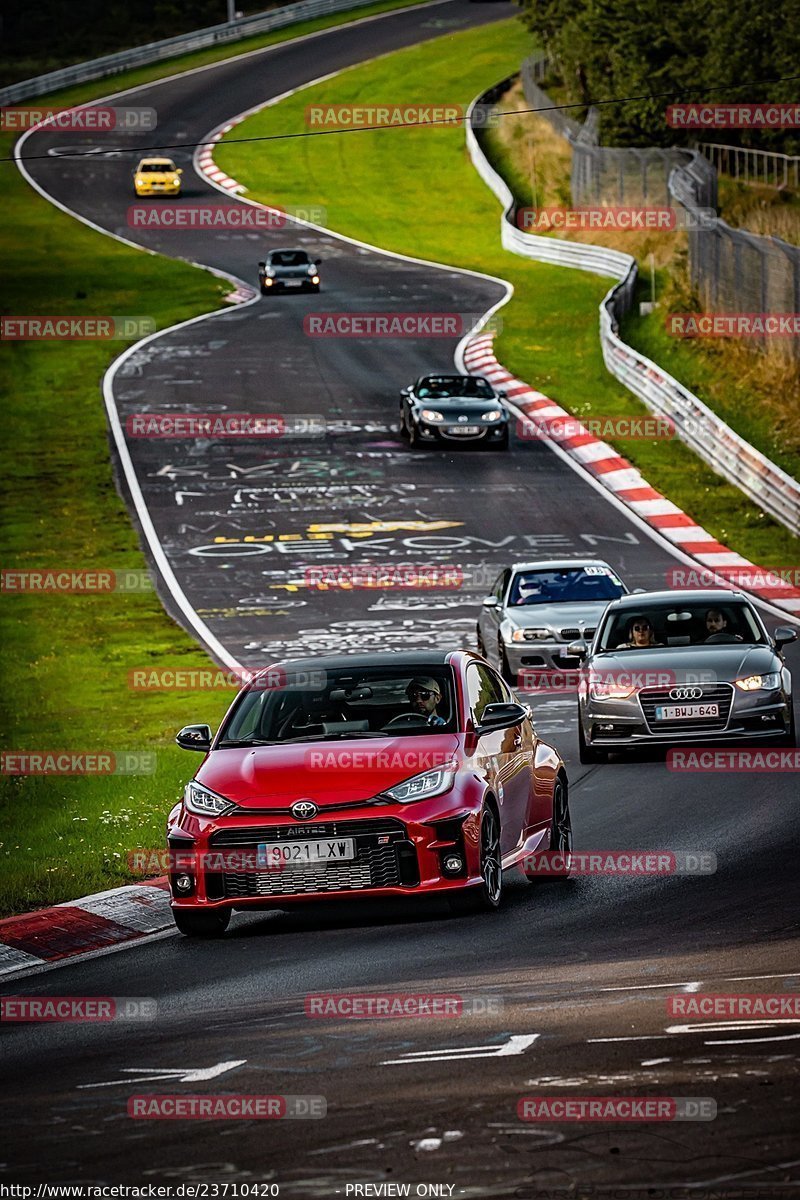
column 422, row 787
column 203, row 802
column 537, row 634
column 494, row 415
column 139, row 181
column 430, row 414
column 176, row 180
column 755, row 683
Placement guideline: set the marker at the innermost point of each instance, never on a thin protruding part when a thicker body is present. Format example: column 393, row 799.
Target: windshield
column 689, row 624
column 439, row 387
column 157, row 164
column 288, row 258
column 345, row 703
column 568, row 585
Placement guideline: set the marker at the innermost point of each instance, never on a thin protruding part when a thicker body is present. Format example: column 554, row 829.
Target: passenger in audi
column 640, row 635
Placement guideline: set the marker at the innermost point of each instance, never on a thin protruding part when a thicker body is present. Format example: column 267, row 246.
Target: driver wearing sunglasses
column 423, row 696
column 640, row 634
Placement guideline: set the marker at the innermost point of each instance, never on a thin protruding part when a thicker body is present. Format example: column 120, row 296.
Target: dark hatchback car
column 678, row 667
column 454, row 408
column 365, row 776
column 290, row 269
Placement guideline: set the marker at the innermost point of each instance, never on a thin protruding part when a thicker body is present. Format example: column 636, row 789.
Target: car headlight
column 176, row 180
column 270, row 274
column 494, row 415
column 312, row 270
column 429, row 414
column 421, row 787
column 203, row 802
column 754, row 683
column 140, row 182
column 607, row 689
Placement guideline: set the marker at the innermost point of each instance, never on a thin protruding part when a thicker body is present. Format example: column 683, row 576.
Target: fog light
column 315, row 278
column 184, row 883
column 453, row 864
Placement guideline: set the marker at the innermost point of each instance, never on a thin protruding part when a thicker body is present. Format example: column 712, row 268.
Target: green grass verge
column 415, row 191
column 65, row 660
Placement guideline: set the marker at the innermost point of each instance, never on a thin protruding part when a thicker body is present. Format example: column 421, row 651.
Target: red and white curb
column 96, row 922
column 204, row 160
column 627, row 484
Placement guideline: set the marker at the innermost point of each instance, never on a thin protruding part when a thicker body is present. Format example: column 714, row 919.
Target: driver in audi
column 423, row 695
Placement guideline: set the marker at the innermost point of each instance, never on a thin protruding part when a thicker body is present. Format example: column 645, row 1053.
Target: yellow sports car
column 157, row 177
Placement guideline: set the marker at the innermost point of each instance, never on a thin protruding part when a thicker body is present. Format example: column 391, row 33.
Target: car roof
column 288, row 250
column 558, row 564
column 682, row 595
column 155, row 158
column 415, row 659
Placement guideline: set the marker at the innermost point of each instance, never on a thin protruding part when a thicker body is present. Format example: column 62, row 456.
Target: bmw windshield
column 572, row 585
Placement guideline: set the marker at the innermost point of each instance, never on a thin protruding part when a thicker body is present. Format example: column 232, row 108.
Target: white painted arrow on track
column 516, row 1044
column 178, row 1074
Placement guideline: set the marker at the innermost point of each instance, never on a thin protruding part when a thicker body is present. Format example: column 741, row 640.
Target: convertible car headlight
column 494, row 415
column 270, row 274
column 312, row 270
column 754, row 683
column 430, row 414
column 421, row 787
column 203, row 802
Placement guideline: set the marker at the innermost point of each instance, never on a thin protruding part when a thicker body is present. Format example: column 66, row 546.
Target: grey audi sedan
column 537, row 608
column 682, row 667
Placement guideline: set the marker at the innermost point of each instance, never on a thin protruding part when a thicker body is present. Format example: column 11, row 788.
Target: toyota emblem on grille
column 304, row 810
column 686, row 693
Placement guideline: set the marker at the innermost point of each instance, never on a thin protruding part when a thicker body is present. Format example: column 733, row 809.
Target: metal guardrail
column 756, row 168
column 771, row 488
column 213, row 35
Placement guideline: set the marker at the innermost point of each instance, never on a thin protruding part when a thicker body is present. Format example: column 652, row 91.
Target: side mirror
column 317, row 259
column 490, row 602
column 195, row 737
column 783, row 635
column 179, row 171
column 638, row 591
column 577, row 649
column 503, row 715
column 503, row 395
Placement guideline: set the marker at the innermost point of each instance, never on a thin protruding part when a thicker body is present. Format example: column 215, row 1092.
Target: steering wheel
column 406, row 719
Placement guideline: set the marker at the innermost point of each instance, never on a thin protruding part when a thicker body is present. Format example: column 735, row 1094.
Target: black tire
column 403, row 426
column 587, row 754
column 503, row 444
column 488, row 896
column 790, row 737
column 192, row 923
column 505, row 669
column 560, row 835
column 414, row 439
column 264, row 291
column 479, row 641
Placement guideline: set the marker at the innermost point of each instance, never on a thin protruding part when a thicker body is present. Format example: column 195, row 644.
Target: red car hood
column 325, row 772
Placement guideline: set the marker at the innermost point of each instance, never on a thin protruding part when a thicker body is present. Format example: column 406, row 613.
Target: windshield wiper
column 237, row 745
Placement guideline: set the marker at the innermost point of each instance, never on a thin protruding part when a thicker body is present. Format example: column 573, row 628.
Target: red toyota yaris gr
column 368, row 775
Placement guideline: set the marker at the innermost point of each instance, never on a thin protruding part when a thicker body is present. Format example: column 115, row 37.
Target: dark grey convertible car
column 453, row 408
column 288, row 268
column 681, row 667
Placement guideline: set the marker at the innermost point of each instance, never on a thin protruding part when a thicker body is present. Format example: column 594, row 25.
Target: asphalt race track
column 579, row 972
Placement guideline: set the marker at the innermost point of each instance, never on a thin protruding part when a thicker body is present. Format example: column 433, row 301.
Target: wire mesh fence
column 730, row 270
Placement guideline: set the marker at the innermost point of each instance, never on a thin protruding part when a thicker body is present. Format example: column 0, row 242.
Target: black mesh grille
column 719, row 693
column 250, row 836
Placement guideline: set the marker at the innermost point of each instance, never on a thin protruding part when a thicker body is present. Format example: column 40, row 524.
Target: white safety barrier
column 213, row 35
column 771, row 488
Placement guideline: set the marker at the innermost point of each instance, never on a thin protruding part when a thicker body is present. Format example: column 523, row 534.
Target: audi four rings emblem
column 304, row 810
column 686, row 693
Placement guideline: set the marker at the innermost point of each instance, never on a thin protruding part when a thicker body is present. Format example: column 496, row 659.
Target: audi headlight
column 203, row 802
column 755, row 683
column 422, row 787
column 607, row 689
column 494, row 415
column 430, row 414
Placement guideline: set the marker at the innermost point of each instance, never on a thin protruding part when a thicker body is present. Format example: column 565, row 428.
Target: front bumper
column 621, row 723
column 301, row 284
column 394, row 856
column 158, row 189
column 475, row 432
column 541, row 656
